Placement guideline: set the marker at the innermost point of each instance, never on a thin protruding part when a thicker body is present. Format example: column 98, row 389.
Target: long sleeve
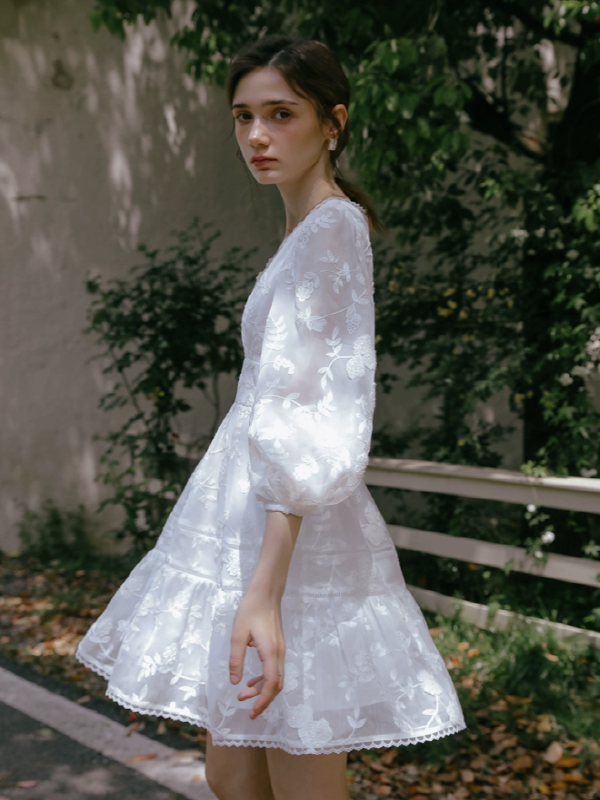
column 310, row 429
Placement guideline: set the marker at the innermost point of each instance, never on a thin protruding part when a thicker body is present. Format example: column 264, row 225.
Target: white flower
column 538, row 554
column 429, row 683
column 364, row 356
column 300, row 715
column 565, row 379
column 548, row 537
column 305, row 288
column 588, row 473
column 316, row 734
column 573, row 254
column 531, row 508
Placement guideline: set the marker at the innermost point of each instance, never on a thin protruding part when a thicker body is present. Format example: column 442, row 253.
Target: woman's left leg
column 307, row 777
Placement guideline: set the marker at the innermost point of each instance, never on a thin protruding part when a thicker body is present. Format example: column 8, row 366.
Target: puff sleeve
column 310, row 427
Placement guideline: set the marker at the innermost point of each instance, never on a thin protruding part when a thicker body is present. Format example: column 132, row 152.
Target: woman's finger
column 236, row 657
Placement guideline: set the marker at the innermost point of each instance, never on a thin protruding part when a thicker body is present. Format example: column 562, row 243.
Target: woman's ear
column 340, row 112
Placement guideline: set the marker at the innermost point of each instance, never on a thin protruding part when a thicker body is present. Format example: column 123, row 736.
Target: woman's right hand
column 257, row 623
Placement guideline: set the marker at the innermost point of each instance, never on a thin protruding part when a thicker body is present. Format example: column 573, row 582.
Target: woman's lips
column 262, row 162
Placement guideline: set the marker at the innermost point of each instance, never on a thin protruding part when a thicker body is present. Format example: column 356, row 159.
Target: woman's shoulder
column 335, row 219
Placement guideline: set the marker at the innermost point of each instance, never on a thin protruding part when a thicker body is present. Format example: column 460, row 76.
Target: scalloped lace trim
column 200, row 721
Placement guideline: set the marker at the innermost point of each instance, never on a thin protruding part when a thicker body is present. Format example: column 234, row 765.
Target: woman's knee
column 237, row 773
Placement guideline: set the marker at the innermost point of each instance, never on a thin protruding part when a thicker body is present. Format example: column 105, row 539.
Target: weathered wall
column 103, row 145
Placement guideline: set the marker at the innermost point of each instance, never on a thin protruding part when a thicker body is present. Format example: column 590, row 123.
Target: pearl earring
column 332, row 143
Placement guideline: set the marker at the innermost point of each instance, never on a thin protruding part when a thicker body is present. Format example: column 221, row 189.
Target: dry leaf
column 518, row 700
column 544, row 724
column 85, row 699
column 559, row 785
column 575, row 777
column 388, row 758
column 499, row 705
column 553, row 753
column 467, row 776
column 521, row 763
column 187, row 753
column 550, row 657
column 162, row 728
column 462, row 646
column 134, row 727
column 544, row 788
column 141, row 757
column 435, row 631
column 383, row 789
column 508, row 741
column 26, row 784
column 473, row 652
column 377, row 766
column 567, row 762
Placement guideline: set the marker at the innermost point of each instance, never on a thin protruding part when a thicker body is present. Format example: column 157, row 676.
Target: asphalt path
column 51, row 747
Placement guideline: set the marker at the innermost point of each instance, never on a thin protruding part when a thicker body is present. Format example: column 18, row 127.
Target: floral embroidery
column 361, row 667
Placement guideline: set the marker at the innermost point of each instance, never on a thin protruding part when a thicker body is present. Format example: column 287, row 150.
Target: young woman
column 275, row 570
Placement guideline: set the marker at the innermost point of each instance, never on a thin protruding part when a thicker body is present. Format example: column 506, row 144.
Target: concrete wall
column 103, row 145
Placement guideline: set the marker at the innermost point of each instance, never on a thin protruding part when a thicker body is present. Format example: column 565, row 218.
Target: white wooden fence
column 483, row 483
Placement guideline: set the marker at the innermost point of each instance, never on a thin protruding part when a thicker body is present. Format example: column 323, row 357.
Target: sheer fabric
column 361, row 669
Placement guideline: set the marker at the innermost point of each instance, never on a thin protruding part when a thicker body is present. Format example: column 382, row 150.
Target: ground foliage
column 169, row 328
column 531, row 703
column 476, row 127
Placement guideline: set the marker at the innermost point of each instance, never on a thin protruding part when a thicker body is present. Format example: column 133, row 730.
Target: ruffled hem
column 202, row 722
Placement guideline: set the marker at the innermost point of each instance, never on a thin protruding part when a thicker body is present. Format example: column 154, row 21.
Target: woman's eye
column 241, row 115
column 283, row 111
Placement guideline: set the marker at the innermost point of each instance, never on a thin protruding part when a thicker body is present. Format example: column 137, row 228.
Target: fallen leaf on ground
column 134, row 727
column 467, row 776
column 575, row 777
column 85, row 699
column 383, row 789
column 187, row 753
column 141, row 757
column 567, row 762
column 435, row 631
column 553, row 753
column 550, row 657
column 26, row 784
column 523, row 762
column 162, row 728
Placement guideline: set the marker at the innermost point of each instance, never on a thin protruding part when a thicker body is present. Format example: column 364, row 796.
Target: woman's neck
column 299, row 200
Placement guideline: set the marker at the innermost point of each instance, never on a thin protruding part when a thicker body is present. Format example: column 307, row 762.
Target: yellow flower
column 378, row 338
column 510, row 302
column 451, row 304
column 519, row 398
column 468, row 337
column 491, row 293
column 393, row 286
column 530, row 393
column 471, row 293
column 462, row 442
column 448, row 292
column 410, row 290
column 462, row 314
column 443, row 312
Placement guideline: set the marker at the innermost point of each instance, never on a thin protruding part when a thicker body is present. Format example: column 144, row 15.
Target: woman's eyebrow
column 269, row 103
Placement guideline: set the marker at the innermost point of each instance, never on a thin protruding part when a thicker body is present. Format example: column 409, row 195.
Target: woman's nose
column 258, row 133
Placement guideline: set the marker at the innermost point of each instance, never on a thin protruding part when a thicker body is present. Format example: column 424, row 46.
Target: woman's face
column 278, row 132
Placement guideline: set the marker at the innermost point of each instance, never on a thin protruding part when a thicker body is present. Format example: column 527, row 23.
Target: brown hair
column 313, row 72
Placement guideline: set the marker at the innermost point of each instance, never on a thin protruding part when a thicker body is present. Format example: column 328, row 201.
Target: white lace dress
column 361, row 669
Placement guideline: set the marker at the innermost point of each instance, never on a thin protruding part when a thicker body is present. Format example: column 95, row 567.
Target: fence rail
column 483, row 483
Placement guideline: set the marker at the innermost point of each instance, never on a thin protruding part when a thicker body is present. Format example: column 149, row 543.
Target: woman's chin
column 265, row 177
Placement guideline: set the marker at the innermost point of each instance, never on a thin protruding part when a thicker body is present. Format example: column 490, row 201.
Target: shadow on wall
column 103, row 145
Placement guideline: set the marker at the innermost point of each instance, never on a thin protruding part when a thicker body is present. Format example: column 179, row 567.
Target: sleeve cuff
column 284, row 509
